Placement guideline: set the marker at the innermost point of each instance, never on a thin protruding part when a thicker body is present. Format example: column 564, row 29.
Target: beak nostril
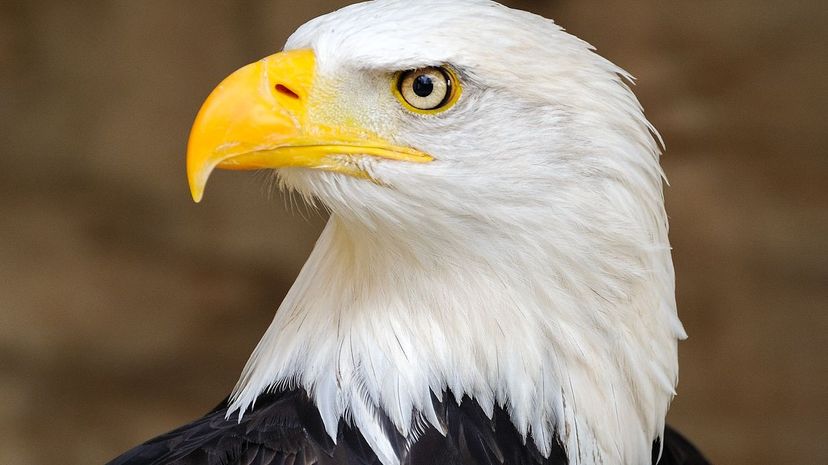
column 282, row 89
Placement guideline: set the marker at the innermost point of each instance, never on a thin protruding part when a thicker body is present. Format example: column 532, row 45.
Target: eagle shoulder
column 285, row 428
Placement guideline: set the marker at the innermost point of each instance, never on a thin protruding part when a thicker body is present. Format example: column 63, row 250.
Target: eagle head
column 497, row 224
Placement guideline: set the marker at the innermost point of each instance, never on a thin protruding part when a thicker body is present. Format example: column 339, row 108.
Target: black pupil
column 423, row 86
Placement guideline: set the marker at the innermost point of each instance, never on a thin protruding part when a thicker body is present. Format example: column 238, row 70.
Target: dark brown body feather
column 285, row 428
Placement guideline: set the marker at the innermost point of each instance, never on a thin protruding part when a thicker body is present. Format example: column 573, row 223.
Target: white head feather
column 528, row 266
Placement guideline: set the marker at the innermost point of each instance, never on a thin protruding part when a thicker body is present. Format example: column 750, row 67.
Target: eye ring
column 427, row 90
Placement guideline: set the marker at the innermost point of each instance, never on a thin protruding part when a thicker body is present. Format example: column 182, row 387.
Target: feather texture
column 286, row 428
column 527, row 269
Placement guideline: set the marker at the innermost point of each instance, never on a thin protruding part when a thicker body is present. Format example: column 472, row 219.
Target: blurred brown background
column 126, row 310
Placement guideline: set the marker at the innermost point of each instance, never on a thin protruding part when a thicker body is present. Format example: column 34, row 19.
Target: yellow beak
column 258, row 118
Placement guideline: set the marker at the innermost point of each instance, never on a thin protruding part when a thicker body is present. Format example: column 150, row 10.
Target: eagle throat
column 371, row 330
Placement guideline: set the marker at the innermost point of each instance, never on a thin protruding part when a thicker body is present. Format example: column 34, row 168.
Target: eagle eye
column 427, row 90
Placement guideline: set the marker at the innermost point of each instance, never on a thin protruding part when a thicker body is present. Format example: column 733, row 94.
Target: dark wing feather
column 479, row 439
column 678, row 450
column 285, row 428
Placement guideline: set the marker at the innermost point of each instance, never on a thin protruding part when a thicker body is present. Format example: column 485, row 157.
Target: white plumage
column 528, row 266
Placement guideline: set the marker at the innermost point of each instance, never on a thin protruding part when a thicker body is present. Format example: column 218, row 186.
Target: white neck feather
column 528, row 268
column 583, row 352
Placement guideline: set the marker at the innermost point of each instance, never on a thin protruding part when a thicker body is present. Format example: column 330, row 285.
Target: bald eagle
column 494, row 285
